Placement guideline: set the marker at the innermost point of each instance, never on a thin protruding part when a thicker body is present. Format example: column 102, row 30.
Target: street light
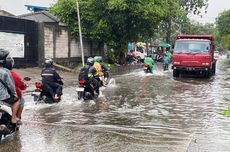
column 80, row 35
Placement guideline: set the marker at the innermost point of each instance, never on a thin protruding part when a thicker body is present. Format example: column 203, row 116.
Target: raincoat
column 150, row 62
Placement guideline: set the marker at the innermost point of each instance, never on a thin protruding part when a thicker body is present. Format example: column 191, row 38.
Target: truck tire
column 176, row 73
column 207, row 74
column 214, row 68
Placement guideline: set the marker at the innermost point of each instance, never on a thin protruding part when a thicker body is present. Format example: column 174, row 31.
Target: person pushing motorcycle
column 149, row 61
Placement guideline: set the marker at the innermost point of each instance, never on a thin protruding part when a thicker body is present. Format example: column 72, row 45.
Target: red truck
column 194, row 54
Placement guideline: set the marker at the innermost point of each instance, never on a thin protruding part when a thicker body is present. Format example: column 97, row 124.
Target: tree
column 114, row 22
column 222, row 22
column 177, row 14
column 193, row 6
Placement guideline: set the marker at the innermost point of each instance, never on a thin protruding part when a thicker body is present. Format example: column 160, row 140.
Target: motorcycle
column 84, row 90
column 6, row 127
column 44, row 93
column 106, row 75
column 147, row 68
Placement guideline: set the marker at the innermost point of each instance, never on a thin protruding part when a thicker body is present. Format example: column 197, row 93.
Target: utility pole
column 80, row 35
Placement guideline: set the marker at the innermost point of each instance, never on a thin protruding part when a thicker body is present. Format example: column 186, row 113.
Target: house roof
column 41, row 16
column 5, row 13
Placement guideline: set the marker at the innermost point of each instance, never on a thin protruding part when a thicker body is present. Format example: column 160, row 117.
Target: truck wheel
column 214, row 68
column 176, row 73
column 207, row 74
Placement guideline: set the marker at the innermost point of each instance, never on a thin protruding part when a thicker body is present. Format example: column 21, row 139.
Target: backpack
column 83, row 75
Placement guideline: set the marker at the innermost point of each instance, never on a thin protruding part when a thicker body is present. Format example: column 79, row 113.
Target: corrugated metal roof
column 36, row 8
column 42, row 16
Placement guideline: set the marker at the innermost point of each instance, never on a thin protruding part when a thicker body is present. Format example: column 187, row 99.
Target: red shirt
column 19, row 84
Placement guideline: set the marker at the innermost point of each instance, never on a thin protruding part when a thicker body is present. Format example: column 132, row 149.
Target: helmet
column 3, row 55
column 48, row 62
column 96, row 58
column 9, row 63
column 100, row 59
column 90, row 61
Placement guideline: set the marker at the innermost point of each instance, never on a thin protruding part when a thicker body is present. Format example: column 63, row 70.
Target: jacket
column 19, row 84
column 6, row 77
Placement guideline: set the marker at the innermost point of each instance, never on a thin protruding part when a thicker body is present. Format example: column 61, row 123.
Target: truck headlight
column 205, row 63
column 176, row 63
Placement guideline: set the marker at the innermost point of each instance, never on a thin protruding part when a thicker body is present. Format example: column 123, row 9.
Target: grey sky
column 17, row 7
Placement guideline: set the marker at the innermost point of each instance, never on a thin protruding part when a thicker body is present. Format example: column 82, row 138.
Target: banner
column 14, row 43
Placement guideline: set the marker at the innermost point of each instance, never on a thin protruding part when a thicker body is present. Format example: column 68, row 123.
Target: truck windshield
column 194, row 47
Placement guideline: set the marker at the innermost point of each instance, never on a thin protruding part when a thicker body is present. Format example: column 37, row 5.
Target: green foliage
column 223, row 21
column 223, row 27
column 193, row 6
column 227, row 110
column 114, row 22
column 198, row 28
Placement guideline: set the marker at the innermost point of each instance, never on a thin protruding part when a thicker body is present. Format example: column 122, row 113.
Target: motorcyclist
column 19, row 84
column 7, row 88
column 98, row 67
column 103, row 67
column 149, row 61
column 51, row 78
column 90, row 75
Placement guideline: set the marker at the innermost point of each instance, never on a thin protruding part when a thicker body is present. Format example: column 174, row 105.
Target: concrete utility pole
column 80, row 35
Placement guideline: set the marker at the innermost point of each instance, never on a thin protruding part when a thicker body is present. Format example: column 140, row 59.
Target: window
column 188, row 46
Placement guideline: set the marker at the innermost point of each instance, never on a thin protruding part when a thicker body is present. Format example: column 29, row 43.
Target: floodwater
column 137, row 112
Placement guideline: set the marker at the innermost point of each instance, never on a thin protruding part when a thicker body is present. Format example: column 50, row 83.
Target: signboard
column 14, row 43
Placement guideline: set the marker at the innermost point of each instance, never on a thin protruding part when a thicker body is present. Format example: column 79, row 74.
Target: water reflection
column 152, row 112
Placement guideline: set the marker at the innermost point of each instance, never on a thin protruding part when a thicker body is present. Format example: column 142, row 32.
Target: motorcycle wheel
column 36, row 98
column 80, row 95
column 106, row 77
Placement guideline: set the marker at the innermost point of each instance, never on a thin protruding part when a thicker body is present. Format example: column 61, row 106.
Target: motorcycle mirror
column 27, row 78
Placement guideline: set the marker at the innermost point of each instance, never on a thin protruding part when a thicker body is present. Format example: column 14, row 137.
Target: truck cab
column 194, row 54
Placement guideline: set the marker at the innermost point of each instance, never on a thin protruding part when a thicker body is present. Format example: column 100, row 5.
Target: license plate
column 190, row 69
column 145, row 68
column 35, row 93
column 80, row 89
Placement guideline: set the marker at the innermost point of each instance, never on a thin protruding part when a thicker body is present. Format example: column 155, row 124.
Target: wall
column 27, row 33
column 59, row 45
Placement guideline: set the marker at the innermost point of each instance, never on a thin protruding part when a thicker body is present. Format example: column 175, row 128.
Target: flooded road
column 139, row 112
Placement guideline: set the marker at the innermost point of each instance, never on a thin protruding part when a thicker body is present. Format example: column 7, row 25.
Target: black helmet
column 3, row 55
column 90, row 61
column 48, row 63
column 9, row 63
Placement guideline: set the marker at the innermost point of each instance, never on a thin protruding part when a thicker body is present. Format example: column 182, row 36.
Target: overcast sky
column 17, row 7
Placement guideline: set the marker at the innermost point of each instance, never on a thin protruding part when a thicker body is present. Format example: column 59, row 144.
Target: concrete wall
column 48, row 42
column 59, row 45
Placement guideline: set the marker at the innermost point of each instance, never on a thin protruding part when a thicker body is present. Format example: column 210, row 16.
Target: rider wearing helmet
column 19, row 84
column 149, row 60
column 88, row 73
column 7, row 87
column 98, row 67
column 51, row 78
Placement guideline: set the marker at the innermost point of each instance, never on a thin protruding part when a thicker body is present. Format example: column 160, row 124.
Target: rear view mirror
column 27, row 78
